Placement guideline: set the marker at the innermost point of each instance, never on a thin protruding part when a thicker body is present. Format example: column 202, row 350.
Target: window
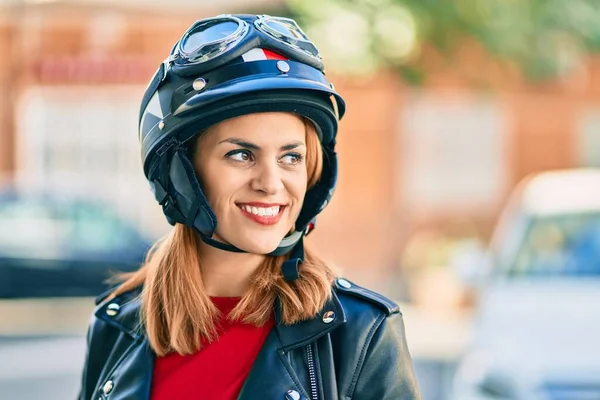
column 453, row 152
column 84, row 140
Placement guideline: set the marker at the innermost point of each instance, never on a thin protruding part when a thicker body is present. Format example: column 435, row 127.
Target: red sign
column 91, row 70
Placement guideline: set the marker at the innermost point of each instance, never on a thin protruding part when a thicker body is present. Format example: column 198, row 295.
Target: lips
column 262, row 213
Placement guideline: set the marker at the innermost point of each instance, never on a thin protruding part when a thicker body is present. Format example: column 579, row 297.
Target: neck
column 227, row 274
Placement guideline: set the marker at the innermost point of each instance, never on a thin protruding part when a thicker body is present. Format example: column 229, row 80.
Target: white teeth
column 269, row 212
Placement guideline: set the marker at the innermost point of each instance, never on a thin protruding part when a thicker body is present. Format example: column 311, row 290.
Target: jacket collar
column 330, row 317
column 123, row 312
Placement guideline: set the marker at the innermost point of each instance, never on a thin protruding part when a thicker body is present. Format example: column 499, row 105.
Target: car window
column 30, row 228
column 508, row 237
column 96, row 229
column 48, row 229
column 560, row 245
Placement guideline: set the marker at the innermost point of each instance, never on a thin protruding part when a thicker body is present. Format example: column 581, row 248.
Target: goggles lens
column 206, row 33
column 209, row 38
column 287, row 29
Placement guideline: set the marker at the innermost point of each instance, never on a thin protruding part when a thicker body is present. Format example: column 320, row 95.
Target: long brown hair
column 178, row 314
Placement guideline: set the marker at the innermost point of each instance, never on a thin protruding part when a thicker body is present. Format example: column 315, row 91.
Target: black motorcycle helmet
column 225, row 67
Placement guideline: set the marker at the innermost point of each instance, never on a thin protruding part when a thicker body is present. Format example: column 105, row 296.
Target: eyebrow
column 252, row 146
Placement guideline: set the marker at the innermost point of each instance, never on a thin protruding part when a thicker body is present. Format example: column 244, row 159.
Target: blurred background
column 467, row 191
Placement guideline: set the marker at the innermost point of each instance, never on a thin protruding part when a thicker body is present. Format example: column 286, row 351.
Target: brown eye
column 239, row 155
column 292, row 158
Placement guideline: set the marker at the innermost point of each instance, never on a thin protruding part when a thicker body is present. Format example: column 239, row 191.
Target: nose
column 268, row 178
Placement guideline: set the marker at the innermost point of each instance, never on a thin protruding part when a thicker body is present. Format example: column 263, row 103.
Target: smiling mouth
column 262, row 215
column 262, row 211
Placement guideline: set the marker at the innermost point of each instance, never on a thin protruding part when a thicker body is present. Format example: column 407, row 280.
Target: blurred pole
column 9, row 21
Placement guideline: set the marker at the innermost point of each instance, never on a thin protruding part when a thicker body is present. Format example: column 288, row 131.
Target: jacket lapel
column 272, row 375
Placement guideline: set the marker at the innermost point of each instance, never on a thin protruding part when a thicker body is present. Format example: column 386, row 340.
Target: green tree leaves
column 545, row 38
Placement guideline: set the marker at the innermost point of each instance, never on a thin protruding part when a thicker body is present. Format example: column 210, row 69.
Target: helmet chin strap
column 219, row 245
column 293, row 243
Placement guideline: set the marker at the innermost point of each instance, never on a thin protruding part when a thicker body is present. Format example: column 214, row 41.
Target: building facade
column 450, row 150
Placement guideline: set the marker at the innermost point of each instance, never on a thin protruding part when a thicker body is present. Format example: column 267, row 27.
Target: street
column 40, row 368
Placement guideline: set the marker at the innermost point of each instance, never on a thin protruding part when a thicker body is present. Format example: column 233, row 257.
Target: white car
column 537, row 330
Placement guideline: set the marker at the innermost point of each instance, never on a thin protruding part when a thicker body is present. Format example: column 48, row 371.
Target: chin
column 259, row 248
column 263, row 246
column 255, row 241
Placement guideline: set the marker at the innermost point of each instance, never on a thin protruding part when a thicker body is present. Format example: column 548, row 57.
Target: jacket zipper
column 311, row 372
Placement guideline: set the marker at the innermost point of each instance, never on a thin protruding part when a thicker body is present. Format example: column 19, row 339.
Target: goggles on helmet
column 212, row 42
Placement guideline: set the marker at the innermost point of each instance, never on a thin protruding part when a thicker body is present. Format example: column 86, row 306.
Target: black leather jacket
column 354, row 349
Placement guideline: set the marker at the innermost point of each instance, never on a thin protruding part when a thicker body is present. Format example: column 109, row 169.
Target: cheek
column 214, row 188
column 298, row 188
column 217, row 191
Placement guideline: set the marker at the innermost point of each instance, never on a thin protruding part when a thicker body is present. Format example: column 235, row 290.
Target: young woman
column 238, row 129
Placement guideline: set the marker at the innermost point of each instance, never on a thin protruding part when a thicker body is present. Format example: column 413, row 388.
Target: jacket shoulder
column 121, row 311
column 345, row 287
column 103, row 296
column 125, row 296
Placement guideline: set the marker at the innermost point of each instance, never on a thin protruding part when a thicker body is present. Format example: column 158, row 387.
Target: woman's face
column 253, row 171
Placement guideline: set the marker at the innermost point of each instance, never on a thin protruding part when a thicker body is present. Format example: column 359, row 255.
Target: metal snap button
column 344, row 283
column 292, row 395
column 283, row 66
column 108, row 387
column 199, row 84
column 112, row 309
column 328, row 317
column 324, row 205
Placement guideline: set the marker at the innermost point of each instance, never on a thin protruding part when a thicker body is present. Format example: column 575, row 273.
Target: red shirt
column 219, row 369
